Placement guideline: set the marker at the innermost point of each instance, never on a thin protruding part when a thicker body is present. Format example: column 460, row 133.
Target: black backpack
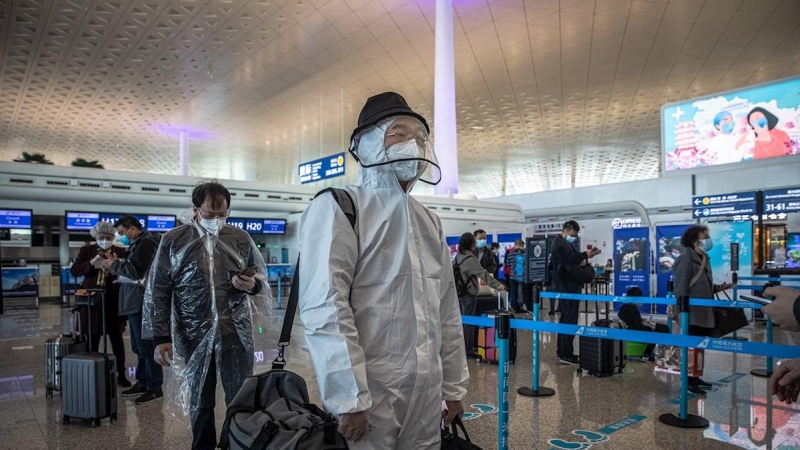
column 272, row 409
column 461, row 285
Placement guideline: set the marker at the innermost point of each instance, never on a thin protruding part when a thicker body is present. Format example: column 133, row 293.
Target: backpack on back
column 272, row 409
column 461, row 285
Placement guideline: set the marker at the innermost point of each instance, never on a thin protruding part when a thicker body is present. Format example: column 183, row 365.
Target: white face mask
column 406, row 170
column 104, row 244
column 212, row 225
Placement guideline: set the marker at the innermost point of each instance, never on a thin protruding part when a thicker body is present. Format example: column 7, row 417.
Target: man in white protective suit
column 379, row 303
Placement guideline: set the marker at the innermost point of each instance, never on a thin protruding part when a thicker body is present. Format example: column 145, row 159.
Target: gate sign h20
column 322, row 169
column 736, row 204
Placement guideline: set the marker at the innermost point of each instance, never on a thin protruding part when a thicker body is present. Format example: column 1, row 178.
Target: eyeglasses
column 403, row 137
column 208, row 215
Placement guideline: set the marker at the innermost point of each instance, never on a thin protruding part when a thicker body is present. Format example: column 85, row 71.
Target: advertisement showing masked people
column 132, row 270
column 208, row 281
column 564, row 261
column 89, row 265
column 379, row 303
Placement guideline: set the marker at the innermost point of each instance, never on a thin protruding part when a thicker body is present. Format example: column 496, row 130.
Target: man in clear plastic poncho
column 379, row 304
column 205, row 284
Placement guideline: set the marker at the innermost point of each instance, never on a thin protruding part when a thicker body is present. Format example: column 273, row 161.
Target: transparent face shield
column 401, row 142
column 214, row 326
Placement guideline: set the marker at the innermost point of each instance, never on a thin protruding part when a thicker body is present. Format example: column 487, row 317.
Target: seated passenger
column 629, row 314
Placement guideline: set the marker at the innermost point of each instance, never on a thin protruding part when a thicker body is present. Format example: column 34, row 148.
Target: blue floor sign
column 480, row 409
column 594, row 437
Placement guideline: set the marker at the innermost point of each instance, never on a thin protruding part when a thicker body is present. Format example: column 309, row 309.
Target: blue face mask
column 124, row 239
column 727, row 128
column 571, row 239
column 761, row 122
column 481, row 243
column 706, row 244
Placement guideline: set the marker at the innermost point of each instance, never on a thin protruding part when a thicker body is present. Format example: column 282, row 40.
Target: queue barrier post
column 535, row 390
column 503, row 329
column 685, row 420
column 670, row 290
column 280, row 306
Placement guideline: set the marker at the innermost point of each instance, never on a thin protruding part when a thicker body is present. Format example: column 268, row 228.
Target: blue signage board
column 160, row 223
column 736, row 204
column 254, row 226
column 16, row 218
column 536, row 253
column 274, row 226
column 631, row 261
column 82, row 221
column 322, row 169
column 782, row 200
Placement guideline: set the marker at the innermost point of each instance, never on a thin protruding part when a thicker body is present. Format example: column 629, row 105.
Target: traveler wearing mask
column 485, row 255
column 562, row 255
column 89, row 265
column 199, row 308
column 471, row 272
column 134, row 266
column 692, row 272
column 379, row 304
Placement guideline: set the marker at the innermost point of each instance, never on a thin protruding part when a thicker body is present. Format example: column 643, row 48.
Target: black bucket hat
column 380, row 107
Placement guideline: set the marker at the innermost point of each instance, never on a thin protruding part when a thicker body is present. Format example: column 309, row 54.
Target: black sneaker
column 123, row 382
column 148, row 397
column 697, row 391
column 135, row 391
column 702, row 384
column 551, row 313
column 569, row 360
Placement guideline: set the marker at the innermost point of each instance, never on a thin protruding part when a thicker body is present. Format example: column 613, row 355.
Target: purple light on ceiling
column 175, row 131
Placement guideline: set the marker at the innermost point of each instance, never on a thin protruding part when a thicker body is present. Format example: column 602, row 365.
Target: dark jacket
column 488, row 261
column 135, row 265
column 471, row 271
column 83, row 268
column 561, row 255
column 684, row 269
column 182, row 286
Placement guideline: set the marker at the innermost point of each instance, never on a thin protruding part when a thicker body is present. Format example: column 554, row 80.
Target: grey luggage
column 89, row 389
column 55, row 349
column 601, row 357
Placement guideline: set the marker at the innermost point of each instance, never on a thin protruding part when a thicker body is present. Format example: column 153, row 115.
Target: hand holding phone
column 249, row 272
column 755, row 299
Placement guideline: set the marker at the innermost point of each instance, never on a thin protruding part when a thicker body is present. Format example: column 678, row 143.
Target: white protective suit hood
column 379, row 305
column 377, row 169
column 191, row 302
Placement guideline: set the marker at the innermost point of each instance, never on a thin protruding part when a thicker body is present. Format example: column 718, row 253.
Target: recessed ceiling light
column 476, row 128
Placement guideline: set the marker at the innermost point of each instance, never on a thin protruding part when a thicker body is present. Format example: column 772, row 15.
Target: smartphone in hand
column 249, row 272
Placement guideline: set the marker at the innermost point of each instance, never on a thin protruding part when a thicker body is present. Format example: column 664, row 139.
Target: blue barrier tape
column 657, row 300
column 716, row 344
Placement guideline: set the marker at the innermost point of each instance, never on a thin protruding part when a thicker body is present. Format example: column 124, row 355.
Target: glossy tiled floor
column 740, row 409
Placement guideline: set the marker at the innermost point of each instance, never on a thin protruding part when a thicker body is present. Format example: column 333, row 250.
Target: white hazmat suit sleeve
column 455, row 374
column 328, row 257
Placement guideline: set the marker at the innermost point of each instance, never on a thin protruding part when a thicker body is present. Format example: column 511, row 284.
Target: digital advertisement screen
column 160, row 223
column 18, row 219
column 793, row 250
column 754, row 123
column 274, row 226
column 82, row 221
column 236, row 222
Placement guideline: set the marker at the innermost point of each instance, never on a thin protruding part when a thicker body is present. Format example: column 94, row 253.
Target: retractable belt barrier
column 684, row 341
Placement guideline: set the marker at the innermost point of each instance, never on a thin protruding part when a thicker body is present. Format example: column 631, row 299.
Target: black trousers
column 236, row 364
column 660, row 328
column 117, row 346
column 469, row 307
column 570, row 311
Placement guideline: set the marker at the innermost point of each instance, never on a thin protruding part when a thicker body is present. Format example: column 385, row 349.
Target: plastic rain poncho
column 191, row 300
column 379, row 307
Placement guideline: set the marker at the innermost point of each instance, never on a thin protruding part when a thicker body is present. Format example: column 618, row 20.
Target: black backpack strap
column 348, row 207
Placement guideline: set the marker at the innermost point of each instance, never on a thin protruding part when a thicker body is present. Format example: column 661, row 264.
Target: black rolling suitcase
column 89, row 389
column 55, row 349
column 601, row 357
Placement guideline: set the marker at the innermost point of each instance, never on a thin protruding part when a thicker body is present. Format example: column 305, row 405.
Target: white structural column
column 444, row 101
column 184, row 154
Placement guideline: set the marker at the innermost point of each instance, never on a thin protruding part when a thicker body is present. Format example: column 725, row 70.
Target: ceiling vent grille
column 151, row 189
column 21, row 180
column 120, row 187
column 57, row 183
column 296, row 199
column 627, row 214
column 90, row 185
column 274, row 197
column 600, row 216
column 251, row 195
column 177, row 191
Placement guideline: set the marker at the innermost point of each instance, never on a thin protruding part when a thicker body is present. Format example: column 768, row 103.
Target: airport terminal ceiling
column 550, row 94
